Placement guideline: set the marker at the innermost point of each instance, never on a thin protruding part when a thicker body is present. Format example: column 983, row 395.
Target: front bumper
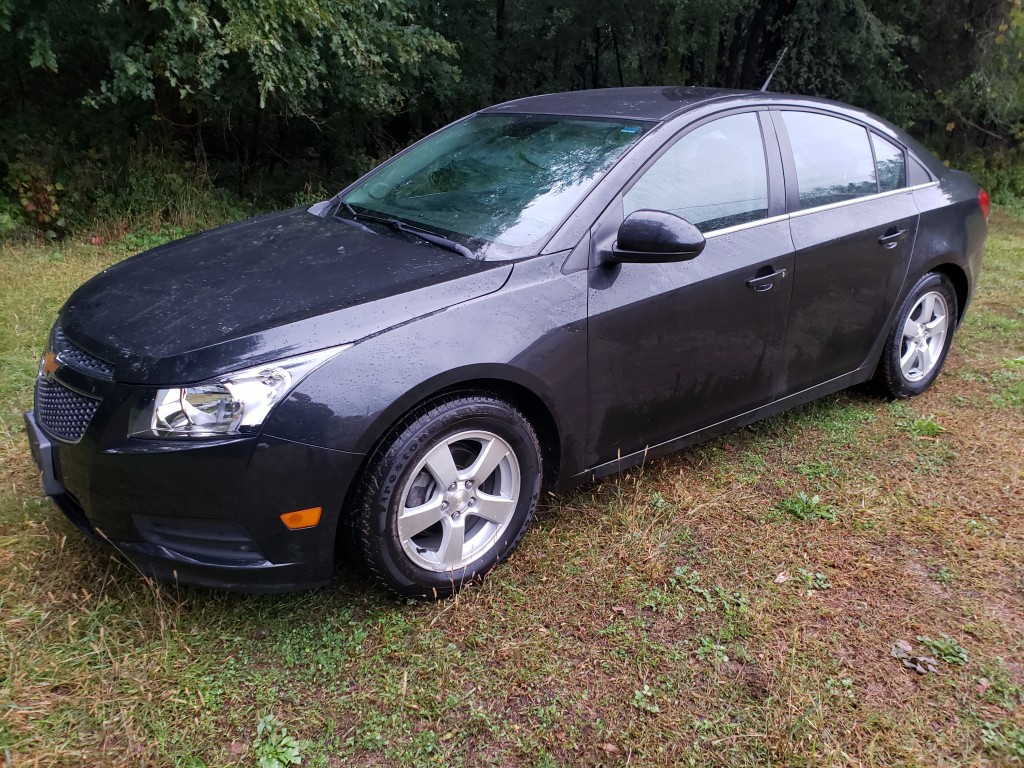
column 203, row 513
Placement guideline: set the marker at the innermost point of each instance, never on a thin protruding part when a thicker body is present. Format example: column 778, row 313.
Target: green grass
column 643, row 621
column 804, row 507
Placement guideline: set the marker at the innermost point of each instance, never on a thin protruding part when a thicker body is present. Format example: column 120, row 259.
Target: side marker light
column 302, row 518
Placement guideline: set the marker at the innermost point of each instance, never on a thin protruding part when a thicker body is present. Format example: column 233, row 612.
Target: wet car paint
column 261, row 291
column 613, row 363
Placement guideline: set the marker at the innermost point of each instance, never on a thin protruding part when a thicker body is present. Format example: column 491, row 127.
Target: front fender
column 530, row 334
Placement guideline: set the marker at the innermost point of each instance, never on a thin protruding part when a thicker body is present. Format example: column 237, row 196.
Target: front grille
column 62, row 412
column 78, row 358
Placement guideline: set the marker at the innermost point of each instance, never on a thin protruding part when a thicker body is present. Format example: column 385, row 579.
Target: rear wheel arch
column 958, row 277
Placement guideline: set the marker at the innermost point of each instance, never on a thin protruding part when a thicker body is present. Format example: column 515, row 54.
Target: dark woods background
column 128, row 113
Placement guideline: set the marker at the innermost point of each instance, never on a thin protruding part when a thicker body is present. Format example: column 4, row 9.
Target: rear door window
column 833, row 159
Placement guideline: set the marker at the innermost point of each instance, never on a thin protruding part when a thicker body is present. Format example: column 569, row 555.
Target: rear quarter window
column 890, row 163
column 917, row 173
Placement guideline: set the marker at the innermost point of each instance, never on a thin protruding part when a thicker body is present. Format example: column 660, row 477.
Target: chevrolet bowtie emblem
column 50, row 364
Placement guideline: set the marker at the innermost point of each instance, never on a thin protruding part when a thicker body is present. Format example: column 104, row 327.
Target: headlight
column 233, row 404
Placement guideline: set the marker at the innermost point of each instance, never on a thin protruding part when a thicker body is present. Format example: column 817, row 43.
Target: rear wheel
column 449, row 495
column 920, row 339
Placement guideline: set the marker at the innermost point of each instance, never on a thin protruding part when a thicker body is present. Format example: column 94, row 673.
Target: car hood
column 260, row 290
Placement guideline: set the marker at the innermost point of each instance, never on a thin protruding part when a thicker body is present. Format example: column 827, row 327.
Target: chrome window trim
column 805, row 211
column 876, row 196
column 746, row 225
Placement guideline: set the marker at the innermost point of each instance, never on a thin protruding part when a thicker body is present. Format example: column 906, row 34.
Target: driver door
column 677, row 347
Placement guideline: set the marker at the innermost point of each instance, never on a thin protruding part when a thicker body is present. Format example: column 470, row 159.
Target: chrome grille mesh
column 62, row 412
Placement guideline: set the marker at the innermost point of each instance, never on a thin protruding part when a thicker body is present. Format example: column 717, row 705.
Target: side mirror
column 650, row 237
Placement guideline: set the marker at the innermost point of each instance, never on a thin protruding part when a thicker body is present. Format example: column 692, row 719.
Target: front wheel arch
column 394, row 468
column 536, row 411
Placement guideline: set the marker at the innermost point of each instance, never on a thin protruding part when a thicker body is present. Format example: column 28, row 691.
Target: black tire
column 890, row 378
column 395, row 476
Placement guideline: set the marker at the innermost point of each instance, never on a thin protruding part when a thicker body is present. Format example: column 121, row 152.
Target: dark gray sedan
column 544, row 292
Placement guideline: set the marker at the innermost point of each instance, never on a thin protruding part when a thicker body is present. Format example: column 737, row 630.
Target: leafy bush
column 155, row 189
column 1000, row 172
column 10, row 216
column 143, row 191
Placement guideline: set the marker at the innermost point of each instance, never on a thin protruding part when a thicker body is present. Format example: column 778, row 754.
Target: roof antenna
column 769, row 80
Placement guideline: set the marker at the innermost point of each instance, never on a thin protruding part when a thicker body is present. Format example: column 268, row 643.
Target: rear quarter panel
column 953, row 231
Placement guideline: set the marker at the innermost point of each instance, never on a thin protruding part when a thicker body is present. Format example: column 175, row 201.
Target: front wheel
column 449, row 495
column 920, row 339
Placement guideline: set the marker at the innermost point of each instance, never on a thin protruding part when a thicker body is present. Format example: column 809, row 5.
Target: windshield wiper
column 423, row 234
column 431, row 237
column 349, row 208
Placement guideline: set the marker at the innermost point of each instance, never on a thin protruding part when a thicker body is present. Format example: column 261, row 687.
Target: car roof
column 651, row 103
column 662, row 103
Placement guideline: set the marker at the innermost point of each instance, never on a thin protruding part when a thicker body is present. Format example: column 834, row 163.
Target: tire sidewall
column 898, row 385
column 383, row 548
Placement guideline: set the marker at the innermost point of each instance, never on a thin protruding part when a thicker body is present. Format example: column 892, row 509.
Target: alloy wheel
column 924, row 334
column 458, row 501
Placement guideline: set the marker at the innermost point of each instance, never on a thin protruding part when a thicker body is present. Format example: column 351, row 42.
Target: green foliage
column 922, row 426
column 999, row 687
column 1000, row 171
column 1003, row 738
column 945, row 648
column 292, row 53
column 217, row 55
column 143, row 240
column 813, row 580
column 273, row 747
column 267, row 98
column 10, row 216
column 710, row 650
column 644, row 700
column 154, row 189
column 804, row 507
column 840, row 687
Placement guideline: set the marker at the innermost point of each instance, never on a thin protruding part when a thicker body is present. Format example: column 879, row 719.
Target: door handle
column 891, row 238
column 764, row 283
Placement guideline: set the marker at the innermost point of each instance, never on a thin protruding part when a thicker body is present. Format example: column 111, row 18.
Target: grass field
column 733, row 605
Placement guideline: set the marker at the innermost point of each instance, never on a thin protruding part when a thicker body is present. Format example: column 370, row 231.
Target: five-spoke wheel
column 917, row 346
column 449, row 495
column 924, row 336
column 459, row 500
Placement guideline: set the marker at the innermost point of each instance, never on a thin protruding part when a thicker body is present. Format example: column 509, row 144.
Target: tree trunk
column 753, row 51
column 499, row 83
column 618, row 56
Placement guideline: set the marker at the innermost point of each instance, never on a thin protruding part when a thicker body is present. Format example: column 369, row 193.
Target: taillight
column 984, row 203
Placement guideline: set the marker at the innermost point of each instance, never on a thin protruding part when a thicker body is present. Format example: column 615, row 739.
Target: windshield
column 496, row 183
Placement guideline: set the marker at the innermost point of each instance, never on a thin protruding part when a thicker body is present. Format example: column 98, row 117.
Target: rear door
column 679, row 346
column 853, row 225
